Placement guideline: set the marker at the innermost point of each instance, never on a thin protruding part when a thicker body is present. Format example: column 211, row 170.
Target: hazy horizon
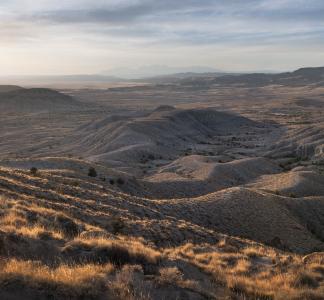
column 142, row 72
column 80, row 37
column 157, row 70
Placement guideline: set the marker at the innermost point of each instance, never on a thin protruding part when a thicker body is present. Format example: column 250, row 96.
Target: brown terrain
column 192, row 188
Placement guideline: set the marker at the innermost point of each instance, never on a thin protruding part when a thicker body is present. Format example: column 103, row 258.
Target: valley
column 208, row 188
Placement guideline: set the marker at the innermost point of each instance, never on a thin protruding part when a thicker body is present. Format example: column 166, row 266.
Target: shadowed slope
column 163, row 134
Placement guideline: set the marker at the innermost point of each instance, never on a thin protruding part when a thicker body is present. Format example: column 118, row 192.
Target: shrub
column 92, row 172
column 151, row 157
column 120, row 181
column 117, row 225
column 33, row 171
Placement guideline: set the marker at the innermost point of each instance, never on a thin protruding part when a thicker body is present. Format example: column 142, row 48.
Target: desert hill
column 36, row 100
column 300, row 77
column 238, row 211
column 9, row 88
column 299, row 182
column 162, row 135
column 199, row 175
column 63, row 234
column 303, row 142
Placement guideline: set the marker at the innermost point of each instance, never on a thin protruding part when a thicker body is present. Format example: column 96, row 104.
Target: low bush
column 92, row 172
column 120, row 181
column 33, row 171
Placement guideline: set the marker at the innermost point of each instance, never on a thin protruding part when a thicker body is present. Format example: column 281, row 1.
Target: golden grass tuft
column 169, row 275
column 257, row 272
column 75, row 281
column 118, row 252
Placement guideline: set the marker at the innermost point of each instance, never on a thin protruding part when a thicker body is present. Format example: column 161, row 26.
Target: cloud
column 176, row 28
column 125, row 12
column 208, row 20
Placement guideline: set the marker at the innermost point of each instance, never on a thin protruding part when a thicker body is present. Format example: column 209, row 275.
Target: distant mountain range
column 300, row 77
column 202, row 77
column 157, row 71
column 56, row 81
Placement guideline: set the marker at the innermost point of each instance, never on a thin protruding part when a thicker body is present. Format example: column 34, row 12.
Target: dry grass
column 36, row 232
column 258, row 272
column 70, row 281
column 129, row 284
column 170, row 275
column 29, row 230
column 254, row 252
column 62, row 246
column 16, row 219
column 118, row 252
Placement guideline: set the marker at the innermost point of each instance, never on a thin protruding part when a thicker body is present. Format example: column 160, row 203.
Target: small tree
column 33, row 171
column 120, row 181
column 92, row 172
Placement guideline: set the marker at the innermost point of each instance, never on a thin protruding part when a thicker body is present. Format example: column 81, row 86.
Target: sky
column 94, row 36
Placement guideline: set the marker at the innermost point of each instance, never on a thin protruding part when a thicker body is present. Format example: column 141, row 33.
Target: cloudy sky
column 91, row 36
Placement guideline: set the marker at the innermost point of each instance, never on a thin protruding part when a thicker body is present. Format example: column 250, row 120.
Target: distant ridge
column 49, row 81
column 200, row 78
column 9, row 88
column 311, row 72
column 36, row 100
column 300, row 77
column 158, row 71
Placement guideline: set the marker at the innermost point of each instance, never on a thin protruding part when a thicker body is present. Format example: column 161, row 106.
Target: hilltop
column 16, row 99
